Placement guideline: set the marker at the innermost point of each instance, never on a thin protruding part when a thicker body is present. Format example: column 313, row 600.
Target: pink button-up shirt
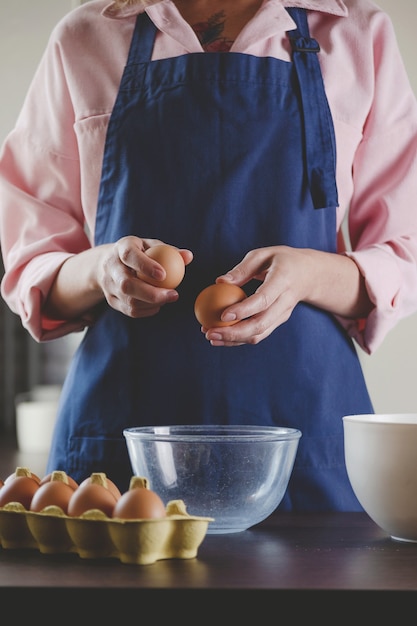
column 50, row 164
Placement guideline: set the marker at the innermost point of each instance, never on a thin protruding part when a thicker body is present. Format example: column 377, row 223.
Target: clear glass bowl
column 237, row 475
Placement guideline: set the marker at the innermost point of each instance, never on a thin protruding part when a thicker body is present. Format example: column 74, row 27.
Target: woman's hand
column 110, row 272
column 120, row 283
column 288, row 276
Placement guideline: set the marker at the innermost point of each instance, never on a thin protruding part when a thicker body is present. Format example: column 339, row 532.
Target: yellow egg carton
column 94, row 535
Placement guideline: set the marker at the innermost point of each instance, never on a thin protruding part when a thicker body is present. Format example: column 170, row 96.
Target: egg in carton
column 123, row 534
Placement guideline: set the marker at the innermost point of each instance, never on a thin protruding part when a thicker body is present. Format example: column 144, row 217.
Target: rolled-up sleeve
column 383, row 211
column 41, row 218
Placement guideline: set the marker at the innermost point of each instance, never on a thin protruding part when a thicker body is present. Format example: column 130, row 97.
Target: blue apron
column 220, row 153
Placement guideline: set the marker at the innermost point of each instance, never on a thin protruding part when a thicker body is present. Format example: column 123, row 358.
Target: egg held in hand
column 172, row 262
column 213, row 300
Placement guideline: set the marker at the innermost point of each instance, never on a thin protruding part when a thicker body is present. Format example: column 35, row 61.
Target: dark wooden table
column 300, row 562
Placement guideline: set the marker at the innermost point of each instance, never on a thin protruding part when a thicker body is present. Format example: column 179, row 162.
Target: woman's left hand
column 288, row 276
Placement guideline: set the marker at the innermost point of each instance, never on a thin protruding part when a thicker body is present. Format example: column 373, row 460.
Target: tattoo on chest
column 211, row 33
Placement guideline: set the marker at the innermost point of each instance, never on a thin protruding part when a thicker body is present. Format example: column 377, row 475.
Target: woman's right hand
column 118, row 277
column 110, row 272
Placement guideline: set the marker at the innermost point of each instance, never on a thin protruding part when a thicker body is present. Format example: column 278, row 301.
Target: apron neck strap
column 318, row 124
column 143, row 40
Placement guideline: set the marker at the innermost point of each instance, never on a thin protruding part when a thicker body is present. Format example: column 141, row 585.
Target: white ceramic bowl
column 381, row 462
column 237, row 475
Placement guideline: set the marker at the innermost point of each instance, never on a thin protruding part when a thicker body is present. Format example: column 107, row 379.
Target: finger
column 252, row 265
column 254, row 329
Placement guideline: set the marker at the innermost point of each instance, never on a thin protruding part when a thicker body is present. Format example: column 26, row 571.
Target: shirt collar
column 334, row 7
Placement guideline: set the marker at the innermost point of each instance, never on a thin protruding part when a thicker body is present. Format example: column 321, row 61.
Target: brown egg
column 139, row 502
column 172, row 262
column 56, row 491
column 93, row 493
column 21, row 471
column 102, row 479
column 213, row 300
column 65, row 478
column 19, row 487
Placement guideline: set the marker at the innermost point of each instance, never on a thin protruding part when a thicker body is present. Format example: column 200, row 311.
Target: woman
column 214, row 126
